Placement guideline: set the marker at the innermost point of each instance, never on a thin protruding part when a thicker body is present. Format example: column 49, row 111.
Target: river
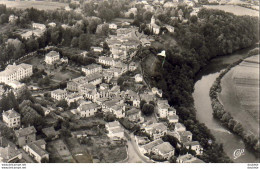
column 204, row 81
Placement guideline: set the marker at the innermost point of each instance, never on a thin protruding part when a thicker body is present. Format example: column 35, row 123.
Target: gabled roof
column 8, row 153
column 90, row 106
column 164, row 148
column 152, row 144
column 25, row 131
column 36, row 147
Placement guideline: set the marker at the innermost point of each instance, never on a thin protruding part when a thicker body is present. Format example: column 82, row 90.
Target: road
column 134, row 155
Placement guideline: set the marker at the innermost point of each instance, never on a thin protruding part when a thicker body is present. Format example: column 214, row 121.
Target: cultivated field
column 237, row 10
column 240, row 93
column 35, row 4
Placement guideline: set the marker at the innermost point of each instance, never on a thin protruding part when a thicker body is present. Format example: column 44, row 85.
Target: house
column 52, row 24
column 183, row 136
column 79, row 134
column 173, row 118
column 52, row 57
column 165, row 150
column 92, row 68
column 73, row 97
column 194, row 145
column 12, row 118
column 163, row 110
column 112, row 26
column 179, row 127
column 169, row 28
column 114, row 91
column 37, row 150
column 141, row 140
column 132, row 66
column 156, row 130
column 157, row 91
column 95, row 78
column 84, row 89
column 97, row 49
column 50, row 132
column 25, row 135
column 64, row 60
column 147, row 97
column 87, row 110
column 74, row 84
column 59, row 94
column 39, row 26
column 118, row 110
column 108, row 61
column 107, row 75
column 15, row 72
column 188, row 158
column 12, row 18
column 92, row 95
column 10, row 154
column 115, row 130
column 147, row 148
column 133, row 114
column 136, row 102
column 138, row 78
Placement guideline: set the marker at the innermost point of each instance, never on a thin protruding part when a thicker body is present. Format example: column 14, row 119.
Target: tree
column 63, row 104
column 84, row 42
column 142, row 104
column 147, row 109
column 75, row 42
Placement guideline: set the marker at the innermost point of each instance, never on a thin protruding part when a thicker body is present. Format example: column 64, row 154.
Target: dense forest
column 211, row 34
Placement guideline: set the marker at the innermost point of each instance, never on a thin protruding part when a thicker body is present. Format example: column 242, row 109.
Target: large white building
column 87, row 110
column 12, row 118
column 52, row 57
column 92, row 68
column 16, row 73
column 59, row 94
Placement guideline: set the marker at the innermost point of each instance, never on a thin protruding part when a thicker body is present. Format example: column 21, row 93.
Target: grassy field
column 237, row 10
column 240, row 95
column 35, row 4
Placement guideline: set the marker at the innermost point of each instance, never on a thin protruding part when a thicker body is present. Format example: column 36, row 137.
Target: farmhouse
column 12, row 118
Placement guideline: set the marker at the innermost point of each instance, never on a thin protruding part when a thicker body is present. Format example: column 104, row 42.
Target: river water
column 204, row 81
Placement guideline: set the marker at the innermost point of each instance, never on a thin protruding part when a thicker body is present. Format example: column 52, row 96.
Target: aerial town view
column 129, row 81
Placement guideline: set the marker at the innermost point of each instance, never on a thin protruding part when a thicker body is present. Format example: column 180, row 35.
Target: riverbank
column 227, row 118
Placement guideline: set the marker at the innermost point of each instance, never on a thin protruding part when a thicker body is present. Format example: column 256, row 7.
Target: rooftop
column 11, row 114
column 25, row 131
column 52, row 54
column 164, row 148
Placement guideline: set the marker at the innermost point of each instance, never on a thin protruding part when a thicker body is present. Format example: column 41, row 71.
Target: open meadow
column 240, row 94
column 237, row 10
column 41, row 5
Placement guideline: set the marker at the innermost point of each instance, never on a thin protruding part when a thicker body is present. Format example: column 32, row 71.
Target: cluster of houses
column 26, row 139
